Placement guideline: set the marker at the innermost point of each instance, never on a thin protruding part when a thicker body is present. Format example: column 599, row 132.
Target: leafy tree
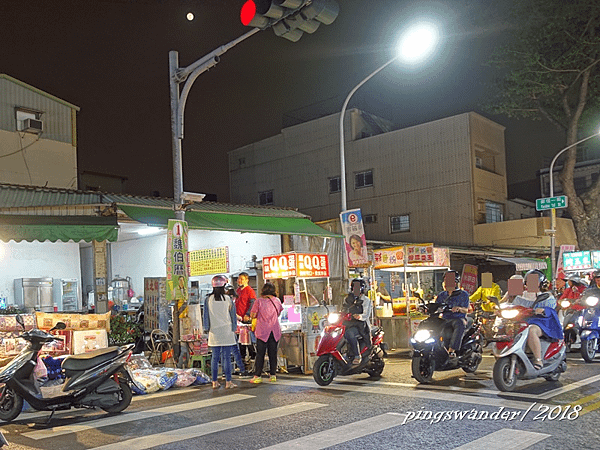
column 551, row 70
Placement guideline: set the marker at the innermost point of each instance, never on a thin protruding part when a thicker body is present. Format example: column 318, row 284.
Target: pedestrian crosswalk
column 225, row 411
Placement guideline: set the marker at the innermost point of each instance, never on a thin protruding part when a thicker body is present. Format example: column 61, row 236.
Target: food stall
column 304, row 309
column 413, row 273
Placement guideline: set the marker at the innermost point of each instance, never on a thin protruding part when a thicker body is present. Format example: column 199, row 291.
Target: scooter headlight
column 333, row 318
column 591, row 301
column 509, row 313
column 422, row 335
column 565, row 304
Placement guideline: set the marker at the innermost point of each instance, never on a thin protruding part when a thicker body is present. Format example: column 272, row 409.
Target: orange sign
column 302, row 265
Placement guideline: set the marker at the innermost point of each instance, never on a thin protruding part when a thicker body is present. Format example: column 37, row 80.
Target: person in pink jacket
column 266, row 310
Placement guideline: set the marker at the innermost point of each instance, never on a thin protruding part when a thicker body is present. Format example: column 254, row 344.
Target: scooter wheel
column 324, row 370
column 11, row 404
column 502, row 375
column 588, row 349
column 422, row 369
column 125, row 396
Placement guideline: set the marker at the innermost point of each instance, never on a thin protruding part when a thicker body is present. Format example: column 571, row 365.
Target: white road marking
column 431, row 395
column 130, row 417
column 569, row 387
column 345, row 433
column 505, row 438
column 182, row 434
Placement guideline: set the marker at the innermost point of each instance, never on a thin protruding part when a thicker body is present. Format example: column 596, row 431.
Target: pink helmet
column 219, row 281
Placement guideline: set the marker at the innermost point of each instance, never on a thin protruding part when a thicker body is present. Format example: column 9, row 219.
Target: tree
column 550, row 70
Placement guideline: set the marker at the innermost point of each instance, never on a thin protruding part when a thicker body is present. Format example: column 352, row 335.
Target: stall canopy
column 57, row 228
column 297, row 224
column 522, row 264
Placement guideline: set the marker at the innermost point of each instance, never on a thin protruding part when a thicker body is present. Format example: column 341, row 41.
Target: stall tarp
column 57, row 228
column 204, row 220
column 522, row 264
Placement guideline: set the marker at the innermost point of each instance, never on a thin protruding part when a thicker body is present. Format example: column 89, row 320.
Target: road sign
column 542, row 204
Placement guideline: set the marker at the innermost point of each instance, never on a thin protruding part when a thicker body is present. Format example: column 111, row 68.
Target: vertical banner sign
column 559, row 269
column 177, row 271
column 468, row 280
column 354, row 238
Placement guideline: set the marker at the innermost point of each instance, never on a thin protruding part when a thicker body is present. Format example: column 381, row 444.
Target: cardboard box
column 88, row 341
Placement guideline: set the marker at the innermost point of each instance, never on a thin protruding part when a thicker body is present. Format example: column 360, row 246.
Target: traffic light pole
column 187, row 76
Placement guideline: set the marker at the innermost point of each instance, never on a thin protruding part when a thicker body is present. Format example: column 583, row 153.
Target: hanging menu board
column 209, row 261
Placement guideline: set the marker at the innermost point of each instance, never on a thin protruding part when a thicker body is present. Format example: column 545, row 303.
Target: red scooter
column 333, row 359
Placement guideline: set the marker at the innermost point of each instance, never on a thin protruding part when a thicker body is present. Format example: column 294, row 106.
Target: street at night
column 456, row 410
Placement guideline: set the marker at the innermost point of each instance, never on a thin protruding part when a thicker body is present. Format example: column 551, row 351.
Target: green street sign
column 542, row 204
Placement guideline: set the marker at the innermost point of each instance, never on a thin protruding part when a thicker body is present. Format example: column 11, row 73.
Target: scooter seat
column 90, row 359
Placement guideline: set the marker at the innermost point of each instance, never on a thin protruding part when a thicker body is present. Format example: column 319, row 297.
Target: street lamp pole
column 342, row 114
column 553, row 211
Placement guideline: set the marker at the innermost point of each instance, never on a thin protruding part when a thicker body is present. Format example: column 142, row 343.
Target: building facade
column 38, row 139
column 433, row 182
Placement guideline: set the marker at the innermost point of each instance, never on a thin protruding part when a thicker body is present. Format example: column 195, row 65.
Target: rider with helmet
column 545, row 322
column 360, row 307
column 458, row 301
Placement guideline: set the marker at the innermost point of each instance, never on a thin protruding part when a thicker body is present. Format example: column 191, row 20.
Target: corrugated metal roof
column 17, row 196
column 38, row 91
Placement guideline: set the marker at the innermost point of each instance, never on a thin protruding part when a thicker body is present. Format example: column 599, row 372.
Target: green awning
column 57, row 228
column 243, row 223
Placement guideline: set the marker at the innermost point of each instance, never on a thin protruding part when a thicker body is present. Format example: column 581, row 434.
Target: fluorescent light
column 148, row 231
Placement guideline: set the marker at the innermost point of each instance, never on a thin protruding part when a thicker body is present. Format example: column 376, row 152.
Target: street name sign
column 542, row 204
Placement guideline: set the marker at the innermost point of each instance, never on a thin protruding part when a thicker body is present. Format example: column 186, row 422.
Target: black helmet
column 363, row 285
column 596, row 274
column 544, row 283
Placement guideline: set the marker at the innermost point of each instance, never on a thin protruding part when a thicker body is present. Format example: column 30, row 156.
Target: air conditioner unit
column 32, row 126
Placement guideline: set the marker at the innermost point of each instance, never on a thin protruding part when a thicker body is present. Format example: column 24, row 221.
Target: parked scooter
column 513, row 361
column 333, row 359
column 590, row 328
column 429, row 352
column 95, row 379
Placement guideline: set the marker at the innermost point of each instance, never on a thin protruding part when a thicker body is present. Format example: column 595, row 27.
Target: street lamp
column 553, row 211
column 415, row 45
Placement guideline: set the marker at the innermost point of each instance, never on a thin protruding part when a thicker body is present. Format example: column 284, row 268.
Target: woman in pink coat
column 266, row 310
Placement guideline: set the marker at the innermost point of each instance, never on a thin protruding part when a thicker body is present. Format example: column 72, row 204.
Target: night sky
column 110, row 58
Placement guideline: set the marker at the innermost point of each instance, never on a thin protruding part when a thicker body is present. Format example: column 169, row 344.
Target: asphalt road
column 457, row 411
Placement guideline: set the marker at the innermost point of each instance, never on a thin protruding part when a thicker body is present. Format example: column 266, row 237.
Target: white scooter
column 514, row 363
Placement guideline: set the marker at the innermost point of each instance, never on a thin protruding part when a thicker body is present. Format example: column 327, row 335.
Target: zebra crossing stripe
column 131, row 417
column 505, row 438
column 345, row 433
column 182, row 434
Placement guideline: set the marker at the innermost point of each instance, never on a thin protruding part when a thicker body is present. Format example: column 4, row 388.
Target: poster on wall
column 177, row 272
column 210, row 261
column 354, row 238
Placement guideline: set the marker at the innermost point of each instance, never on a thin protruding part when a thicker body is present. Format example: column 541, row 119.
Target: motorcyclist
column 594, row 288
column 545, row 321
column 483, row 294
column 575, row 289
column 359, row 305
column 458, row 300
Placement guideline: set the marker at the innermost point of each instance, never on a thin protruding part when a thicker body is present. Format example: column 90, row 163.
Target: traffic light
column 290, row 19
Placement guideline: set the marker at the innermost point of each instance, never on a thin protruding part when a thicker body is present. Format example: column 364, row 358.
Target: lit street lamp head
column 418, row 42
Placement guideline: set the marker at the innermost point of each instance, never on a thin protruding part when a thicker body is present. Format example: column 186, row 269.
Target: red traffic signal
column 289, row 18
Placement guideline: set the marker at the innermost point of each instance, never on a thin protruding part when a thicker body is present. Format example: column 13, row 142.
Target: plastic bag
column 185, row 377
column 146, row 378
column 253, row 326
column 166, row 379
column 201, row 378
column 40, row 371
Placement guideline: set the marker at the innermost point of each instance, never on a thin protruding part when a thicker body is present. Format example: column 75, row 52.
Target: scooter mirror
column 59, row 326
column 20, row 321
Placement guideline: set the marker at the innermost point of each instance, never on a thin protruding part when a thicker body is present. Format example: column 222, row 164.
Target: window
column 400, row 224
column 265, row 198
column 363, row 179
column 493, row 212
column 370, row 218
column 335, row 185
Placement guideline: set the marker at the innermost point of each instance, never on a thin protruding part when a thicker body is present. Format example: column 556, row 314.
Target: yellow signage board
column 210, row 261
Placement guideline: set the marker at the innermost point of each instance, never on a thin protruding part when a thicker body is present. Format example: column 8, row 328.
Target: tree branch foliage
column 550, row 69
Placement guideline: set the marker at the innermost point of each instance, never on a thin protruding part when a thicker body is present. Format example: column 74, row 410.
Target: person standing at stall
column 243, row 304
column 220, row 322
column 266, row 310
